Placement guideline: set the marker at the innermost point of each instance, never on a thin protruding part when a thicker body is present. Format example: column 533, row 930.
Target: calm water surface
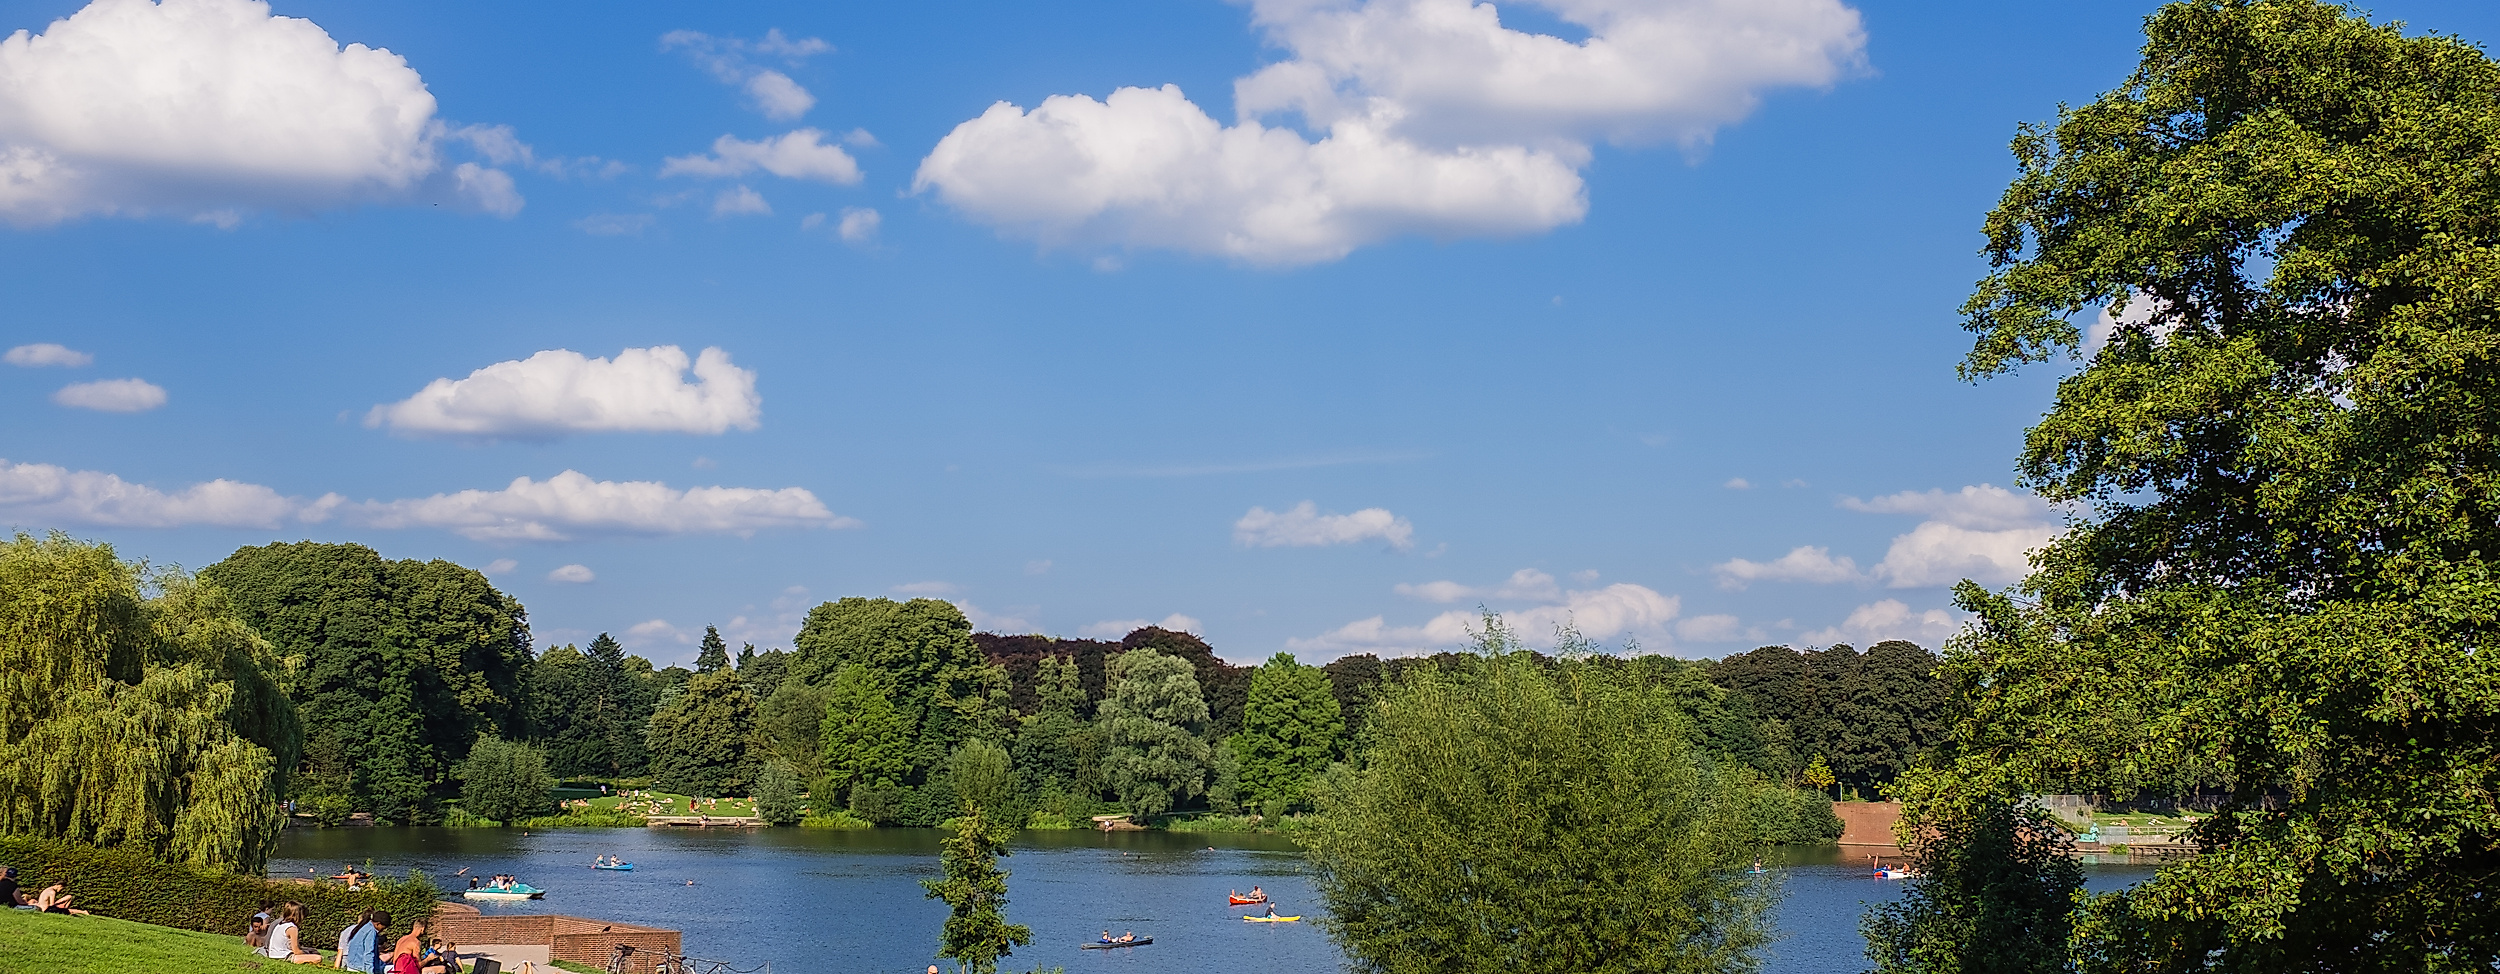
column 810, row 900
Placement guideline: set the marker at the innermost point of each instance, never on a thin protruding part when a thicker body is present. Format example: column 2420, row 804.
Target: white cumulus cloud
column 575, row 575
column 196, row 108
column 740, row 201
column 112, row 395
column 571, row 503
column 1433, row 118
column 1526, row 583
column 1984, row 533
column 1304, row 526
column 43, row 494
column 859, row 225
column 486, row 190
column 41, row 354
column 560, row 391
column 1889, row 619
column 1803, row 564
column 501, row 565
column 1619, row 610
column 1116, row 628
column 1710, row 629
column 802, row 154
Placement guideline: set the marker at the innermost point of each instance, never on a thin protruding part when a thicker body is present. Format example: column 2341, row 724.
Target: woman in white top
column 285, row 940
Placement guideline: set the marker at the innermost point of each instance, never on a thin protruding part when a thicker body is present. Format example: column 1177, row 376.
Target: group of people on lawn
column 277, row 933
column 52, row 899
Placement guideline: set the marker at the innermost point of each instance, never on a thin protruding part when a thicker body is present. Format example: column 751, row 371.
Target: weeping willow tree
column 136, row 710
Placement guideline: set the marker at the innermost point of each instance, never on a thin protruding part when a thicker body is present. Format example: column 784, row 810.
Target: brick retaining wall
column 574, row 939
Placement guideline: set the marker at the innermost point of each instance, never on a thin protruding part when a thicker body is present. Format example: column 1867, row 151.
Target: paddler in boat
column 1106, row 938
column 1271, row 909
column 1127, row 936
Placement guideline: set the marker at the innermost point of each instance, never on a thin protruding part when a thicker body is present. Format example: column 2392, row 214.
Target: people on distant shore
column 56, row 899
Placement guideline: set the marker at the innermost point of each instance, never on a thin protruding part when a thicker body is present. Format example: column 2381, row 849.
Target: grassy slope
column 35, row 943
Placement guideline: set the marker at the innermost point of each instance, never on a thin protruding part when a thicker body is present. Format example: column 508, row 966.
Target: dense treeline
column 414, row 686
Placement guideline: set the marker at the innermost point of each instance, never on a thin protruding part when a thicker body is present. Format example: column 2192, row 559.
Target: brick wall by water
column 575, row 939
column 1867, row 823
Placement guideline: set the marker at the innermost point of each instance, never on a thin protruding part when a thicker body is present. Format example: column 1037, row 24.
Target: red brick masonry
column 567, row 938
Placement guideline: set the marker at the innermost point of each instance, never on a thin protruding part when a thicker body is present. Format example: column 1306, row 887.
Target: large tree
column 1522, row 815
column 2280, row 582
column 1289, row 731
column 863, row 742
column 505, row 781
column 1054, row 747
column 592, row 709
column 700, row 741
column 974, row 889
column 403, row 663
column 1153, row 726
column 151, row 722
column 922, row 648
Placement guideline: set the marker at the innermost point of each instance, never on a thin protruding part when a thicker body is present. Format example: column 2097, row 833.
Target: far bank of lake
column 839, row 902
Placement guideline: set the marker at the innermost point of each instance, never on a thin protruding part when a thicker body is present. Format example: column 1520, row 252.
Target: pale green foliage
column 131, row 721
column 977, row 933
column 505, row 781
column 1511, row 818
column 1289, row 731
column 980, row 773
column 1053, row 747
column 777, row 799
column 1153, row 723
column 923, row 650
column 863, row 741
column 1995, row 894
column 700, row 741
column 2279, row 583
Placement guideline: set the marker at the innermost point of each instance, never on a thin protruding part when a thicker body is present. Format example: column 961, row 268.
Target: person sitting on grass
column 404, row 954
column 285, row 940
column 357, row 944
column 11, row 897
column 55, row 899
column 438, row 959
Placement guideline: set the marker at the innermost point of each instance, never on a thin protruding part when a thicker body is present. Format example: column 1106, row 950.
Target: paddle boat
column 1100, row 945
column 1269, row 919
column 513, row 891
column 623, row 866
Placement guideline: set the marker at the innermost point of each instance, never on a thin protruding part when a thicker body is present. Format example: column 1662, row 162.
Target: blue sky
column 1647, row 324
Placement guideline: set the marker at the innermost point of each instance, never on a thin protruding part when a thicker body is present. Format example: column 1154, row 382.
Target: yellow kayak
column 1269, row 919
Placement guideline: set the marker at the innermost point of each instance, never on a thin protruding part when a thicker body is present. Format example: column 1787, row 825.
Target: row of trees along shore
column 347, row 683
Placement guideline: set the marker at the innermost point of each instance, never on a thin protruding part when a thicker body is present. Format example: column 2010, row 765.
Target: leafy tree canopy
column 505, row 781
column 2278, row 585
column 1153, row 726
column 1289, row 731
column 862, row 737
column 125, row 720
column 700, row 742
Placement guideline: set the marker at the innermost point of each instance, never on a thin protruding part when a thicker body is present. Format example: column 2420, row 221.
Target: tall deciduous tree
column 777, row 795
column 923, row 648
column 506, row 781
column 1054, row 746
column 977, row 933
column 1153, row 725
column 404, row 663
column 593, row 707
column 863, row 740
column 125, row 720
column 2280, row 582
column 700, row 742
column 1514, row 815
column 1289, row 731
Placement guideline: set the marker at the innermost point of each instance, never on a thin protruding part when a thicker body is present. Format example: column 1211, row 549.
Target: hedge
column 132, row 886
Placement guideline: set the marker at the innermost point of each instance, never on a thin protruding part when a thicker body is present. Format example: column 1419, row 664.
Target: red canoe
column 1244, row 900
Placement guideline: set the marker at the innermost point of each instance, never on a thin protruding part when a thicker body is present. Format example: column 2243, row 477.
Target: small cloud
column 501, row 565
column 574, row 575
column 1656, row 439
column 992, row 621
column 486, row 190
column 1710, row 629
column 859, row 225
column 1302, row 526
column 1108, row 264
column 41, row 354
column 1889, row 619
column 1116, row 628
column 559, row 391
column 615, row 224
column 740, row 201
column 927, row 588
column 1526, row 584
column 731, row 60
column 800, row 154
column 656, row 629
column 778, row 97
column 704, row 463
column 1738, row 483
column 1792, row 482
column 112, row 396
column 860, row 139
column 1039, row 567
column 1803, row 564
column 1584, row 575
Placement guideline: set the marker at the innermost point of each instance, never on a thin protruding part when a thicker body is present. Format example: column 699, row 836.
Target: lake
column 812, row 900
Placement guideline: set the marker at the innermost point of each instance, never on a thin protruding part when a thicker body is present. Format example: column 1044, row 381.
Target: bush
column 1782, row 815
column 585, row 819
column 504, row 781
column 837, row 819
column 1048, row 820
column 777, row 798
column 134, row 887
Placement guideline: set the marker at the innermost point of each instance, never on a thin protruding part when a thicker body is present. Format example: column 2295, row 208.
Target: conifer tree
column 977, row 933
column 714, row 656
column 1288, row 733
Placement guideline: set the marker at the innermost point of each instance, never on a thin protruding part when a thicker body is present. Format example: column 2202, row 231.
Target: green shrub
column 585, row 819
column 130, row 886
column 1048, row 820
column 836, row 819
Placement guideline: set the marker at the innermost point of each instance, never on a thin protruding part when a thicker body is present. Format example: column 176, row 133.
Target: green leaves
column 506, row 781
column 701, row 742
column 1153, row 723
column 977, row 933
column 1514, row 818
column 1290, row 731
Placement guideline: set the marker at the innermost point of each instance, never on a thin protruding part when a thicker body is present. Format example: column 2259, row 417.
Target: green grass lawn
column 39, row 943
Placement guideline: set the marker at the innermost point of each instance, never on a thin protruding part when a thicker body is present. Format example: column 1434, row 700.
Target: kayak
column 1244, row 900
column 517, row 891
column 625, row 866
column 1098, row 945
column 1269, row 919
